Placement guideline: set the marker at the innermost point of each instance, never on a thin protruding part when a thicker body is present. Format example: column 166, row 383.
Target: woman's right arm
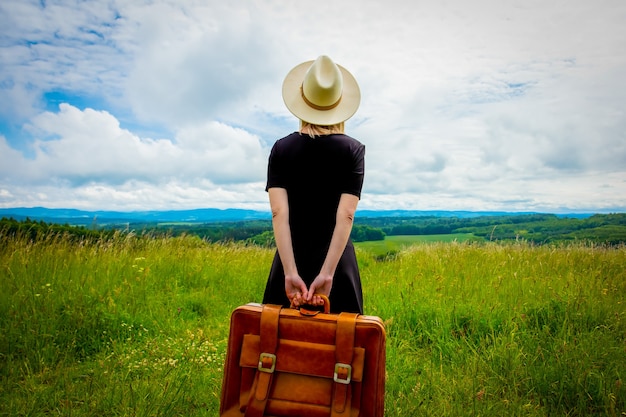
column 343, row 226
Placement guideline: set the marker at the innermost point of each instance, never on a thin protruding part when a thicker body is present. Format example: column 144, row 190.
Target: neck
column 316, row 130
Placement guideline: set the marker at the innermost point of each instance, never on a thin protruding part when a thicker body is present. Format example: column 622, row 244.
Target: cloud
column 60, row 45
column 85, row 147
column 137, row 195
column 487, row 104
column 203, row 66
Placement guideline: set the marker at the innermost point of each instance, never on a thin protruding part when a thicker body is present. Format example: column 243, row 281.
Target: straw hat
column 321, row 92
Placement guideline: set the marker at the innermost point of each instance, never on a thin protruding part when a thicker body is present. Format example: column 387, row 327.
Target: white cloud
column 138, row 195
column 62, row 46
column 486, row 104
column 88, row 149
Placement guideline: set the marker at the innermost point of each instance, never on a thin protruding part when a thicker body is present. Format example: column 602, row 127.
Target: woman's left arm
column 343, row 226
column 295, row 288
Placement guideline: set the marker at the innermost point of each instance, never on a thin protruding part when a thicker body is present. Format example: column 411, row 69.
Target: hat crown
column 321, row 92
column 323, row 83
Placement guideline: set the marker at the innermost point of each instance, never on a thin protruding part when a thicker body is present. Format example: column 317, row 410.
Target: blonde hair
column 313, row 131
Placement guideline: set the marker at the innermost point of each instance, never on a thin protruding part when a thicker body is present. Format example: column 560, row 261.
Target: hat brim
column 292, row 96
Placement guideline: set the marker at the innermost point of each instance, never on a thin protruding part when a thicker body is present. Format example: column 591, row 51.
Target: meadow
column 391, row 245
column 138, row 326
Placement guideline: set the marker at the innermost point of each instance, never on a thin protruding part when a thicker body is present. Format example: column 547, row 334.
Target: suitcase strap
column 344, row 348
column 267, row 361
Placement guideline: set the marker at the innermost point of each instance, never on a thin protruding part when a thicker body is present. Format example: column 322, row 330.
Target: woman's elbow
column 346, row 214
column 347, row 208
column 278, row 213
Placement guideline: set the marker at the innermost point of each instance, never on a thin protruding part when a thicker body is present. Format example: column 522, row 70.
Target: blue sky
column 467, row 105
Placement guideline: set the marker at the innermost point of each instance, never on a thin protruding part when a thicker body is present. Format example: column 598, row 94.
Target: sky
column 481, row 105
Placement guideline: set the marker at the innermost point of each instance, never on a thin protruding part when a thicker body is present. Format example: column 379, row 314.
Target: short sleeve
column 353, row 182
column 275, row 169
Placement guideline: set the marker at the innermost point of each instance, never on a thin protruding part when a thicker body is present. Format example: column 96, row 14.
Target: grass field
column 394, row 244
column 138, row 326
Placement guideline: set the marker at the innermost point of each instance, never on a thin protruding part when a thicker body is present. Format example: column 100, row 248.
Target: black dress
column 315, row 172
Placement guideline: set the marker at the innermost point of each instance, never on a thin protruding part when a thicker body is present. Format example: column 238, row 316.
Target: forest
column 534, row 228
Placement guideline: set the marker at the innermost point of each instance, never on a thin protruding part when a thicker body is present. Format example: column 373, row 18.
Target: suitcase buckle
column 264, row 366
column 343, row 373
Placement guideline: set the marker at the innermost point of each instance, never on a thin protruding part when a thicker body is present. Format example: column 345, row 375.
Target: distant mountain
column 212, row 215
column 72, row 216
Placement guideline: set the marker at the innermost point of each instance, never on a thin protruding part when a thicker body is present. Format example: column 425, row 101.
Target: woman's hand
column 321, row 285
column 296, row 290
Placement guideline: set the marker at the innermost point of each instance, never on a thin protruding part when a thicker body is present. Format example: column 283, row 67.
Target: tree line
column 535, row 228
column 34, row 229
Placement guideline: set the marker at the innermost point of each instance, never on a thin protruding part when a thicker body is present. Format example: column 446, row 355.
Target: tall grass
column 131, row 326
column 138, row 326
column 503, row 329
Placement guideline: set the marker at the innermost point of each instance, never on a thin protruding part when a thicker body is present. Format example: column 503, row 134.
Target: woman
column 314, row 184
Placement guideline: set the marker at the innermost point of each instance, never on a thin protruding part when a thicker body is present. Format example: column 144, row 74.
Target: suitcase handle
column 309, row 312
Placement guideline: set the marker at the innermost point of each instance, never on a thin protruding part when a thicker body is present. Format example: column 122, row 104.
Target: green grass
column 394, row 244
column 138, row 326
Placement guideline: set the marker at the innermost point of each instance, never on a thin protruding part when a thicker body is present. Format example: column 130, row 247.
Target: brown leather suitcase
column 288, row 362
